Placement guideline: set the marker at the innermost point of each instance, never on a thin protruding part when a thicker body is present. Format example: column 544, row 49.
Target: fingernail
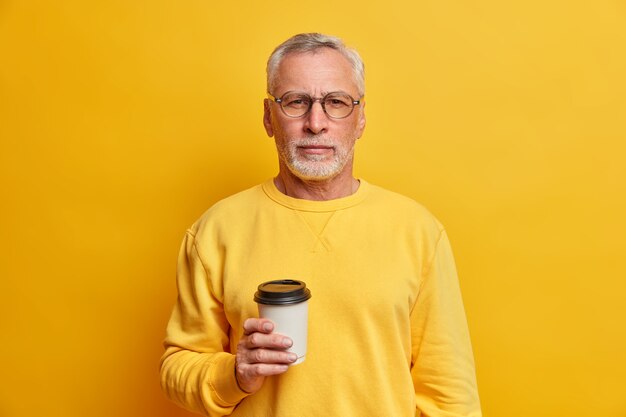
column 267, row 327
column 287, row 342
column 293, row 357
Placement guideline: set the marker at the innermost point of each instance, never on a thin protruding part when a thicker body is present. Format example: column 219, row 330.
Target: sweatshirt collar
column 317, row 206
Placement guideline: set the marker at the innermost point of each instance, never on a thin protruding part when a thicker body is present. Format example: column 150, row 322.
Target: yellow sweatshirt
column 387, row 330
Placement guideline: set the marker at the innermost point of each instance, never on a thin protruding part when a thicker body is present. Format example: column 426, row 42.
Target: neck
column 340, row 186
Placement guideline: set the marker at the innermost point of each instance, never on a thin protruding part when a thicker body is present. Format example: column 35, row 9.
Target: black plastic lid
column 281, row 292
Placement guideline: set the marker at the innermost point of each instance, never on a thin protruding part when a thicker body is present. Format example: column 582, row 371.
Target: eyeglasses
column 336, row 105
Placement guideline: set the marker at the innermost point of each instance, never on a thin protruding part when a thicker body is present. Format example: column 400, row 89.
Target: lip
column 315, row 149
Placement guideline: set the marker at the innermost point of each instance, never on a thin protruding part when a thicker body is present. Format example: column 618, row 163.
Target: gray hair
column 311, row 42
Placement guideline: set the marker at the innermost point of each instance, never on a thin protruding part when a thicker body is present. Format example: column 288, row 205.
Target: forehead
column 317, row 72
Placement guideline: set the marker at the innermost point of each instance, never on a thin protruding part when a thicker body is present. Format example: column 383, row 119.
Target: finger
column 253, row 325
column 270, row 341
column 268, row 356
column 251, row 371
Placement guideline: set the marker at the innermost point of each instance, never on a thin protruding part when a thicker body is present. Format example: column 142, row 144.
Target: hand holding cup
column 278, row 339
column 261, row 353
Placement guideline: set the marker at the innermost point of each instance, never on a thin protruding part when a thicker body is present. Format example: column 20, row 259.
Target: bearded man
column 387, row 329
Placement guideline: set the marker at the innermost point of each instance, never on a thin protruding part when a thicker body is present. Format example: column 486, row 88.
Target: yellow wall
column 121, row 121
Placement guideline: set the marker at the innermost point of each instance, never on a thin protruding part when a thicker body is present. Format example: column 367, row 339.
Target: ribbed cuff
column 222, row 380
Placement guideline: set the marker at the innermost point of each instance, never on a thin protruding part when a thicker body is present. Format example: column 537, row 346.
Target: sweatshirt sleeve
column 442, row 363
column 197, row 369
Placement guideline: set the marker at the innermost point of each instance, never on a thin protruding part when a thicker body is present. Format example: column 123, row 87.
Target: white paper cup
column 285, row 302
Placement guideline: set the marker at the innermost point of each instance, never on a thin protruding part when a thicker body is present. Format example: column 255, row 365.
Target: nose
column 316, row 120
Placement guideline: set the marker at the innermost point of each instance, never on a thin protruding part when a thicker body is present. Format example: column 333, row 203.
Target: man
column 387, row 329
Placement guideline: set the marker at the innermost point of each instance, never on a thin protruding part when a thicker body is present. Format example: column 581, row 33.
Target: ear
column 360, row 124
column 267, row 118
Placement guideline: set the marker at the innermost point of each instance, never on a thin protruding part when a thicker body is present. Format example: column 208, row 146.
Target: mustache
column 317, row 140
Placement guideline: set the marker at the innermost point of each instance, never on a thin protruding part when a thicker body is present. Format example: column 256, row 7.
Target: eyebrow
column 324, row 93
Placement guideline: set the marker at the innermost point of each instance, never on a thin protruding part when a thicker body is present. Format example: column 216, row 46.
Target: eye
column 296, row 101
column 338, row 100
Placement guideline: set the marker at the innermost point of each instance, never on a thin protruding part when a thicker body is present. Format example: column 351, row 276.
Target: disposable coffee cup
column 285, row 302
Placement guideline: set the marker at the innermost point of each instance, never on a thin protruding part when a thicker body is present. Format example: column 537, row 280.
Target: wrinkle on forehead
column 316, row 73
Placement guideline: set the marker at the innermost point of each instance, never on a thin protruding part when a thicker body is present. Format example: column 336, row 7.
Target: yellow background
column 122, row 121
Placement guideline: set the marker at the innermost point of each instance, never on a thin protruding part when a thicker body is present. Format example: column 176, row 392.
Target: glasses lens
column 338, row 105
column 296, row 105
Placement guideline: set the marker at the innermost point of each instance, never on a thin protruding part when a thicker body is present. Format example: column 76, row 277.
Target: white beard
column 314, row 167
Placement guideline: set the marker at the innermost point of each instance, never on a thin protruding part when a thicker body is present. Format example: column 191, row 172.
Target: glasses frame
column 279, row 100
